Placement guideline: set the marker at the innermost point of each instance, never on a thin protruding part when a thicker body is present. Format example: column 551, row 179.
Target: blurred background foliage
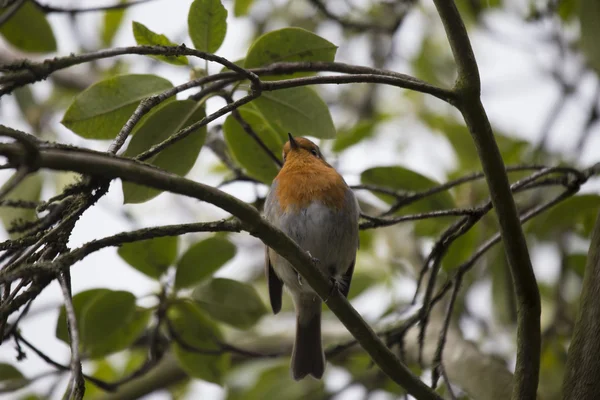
column 192, row 304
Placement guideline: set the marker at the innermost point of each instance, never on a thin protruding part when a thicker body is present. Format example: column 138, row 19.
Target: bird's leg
column 314, row 260
column 335, row 285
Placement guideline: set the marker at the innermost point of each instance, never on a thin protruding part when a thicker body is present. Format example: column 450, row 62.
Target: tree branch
column 468, row 87
column 583, row 362
column 76, row 387
column 110, row 167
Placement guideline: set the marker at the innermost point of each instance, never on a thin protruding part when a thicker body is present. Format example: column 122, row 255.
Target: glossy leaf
column 589, row 14
column 300, row 111
column 178, row 158
column 458, row 135
column 151, row 257
column 230, row 301
column 144, row 36
column 107, row 321
column 11, row 379
column 207, row 24
column 197, row 332
column 100, row 111
column 104, row 317
column 289, row 44
column 577, row 213
column 403, row 179
column 28, row 190
column 245, row 150
column 80, row 302
column 111, row 23
column 203, row 259
column 576, row 262
column 28, row 30
column 241, row 7
column 347, row 138
column 123, row 337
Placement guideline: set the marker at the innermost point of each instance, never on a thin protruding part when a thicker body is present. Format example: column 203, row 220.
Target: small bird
column 310, row 201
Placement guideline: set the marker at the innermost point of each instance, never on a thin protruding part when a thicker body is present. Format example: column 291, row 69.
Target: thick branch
column 110, row 167
column 583, row 363
column 468, row 88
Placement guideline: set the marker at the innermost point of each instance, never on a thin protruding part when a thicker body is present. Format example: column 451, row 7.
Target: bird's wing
column 347, row 279
column 274, row 284
column 352, row 204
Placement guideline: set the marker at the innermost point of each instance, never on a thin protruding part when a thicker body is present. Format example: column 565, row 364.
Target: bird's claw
column 335, row 285
column 314, row 259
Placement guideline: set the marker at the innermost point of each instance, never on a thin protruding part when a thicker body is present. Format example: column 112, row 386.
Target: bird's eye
column 314, row 152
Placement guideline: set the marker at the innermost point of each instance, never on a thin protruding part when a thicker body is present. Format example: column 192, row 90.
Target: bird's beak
column 293, row 143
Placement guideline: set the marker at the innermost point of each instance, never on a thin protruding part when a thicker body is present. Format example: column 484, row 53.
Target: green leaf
column 576, row 262
column 403, row 179
column 103, row 370
column 576, row 213
column 244, row 149
column 568, row 9
column 111, row 24
column 28, row 190
column 107, row 321
column 194, row 329
column 151, row 257
column 100, row 111
column 122, row 338
column 347, row 138
column 28, row 30
column 80, row 302
column 203, row 259
column 178, row 158
column 276, row 382
column 207, row 24
column 11, row 379
column 289, row 44
column 9, row 373
column 589, row 14
column 511, row 149
column 300, row 111
column 241, row 7
column 229, row 301
column 144, row 36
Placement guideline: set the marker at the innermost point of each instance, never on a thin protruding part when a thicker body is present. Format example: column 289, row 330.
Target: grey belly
column 330, row 236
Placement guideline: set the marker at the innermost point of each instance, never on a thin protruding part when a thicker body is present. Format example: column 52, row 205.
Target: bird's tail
column 307, row 356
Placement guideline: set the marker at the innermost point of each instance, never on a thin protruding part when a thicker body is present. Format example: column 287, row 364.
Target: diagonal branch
column 111, row 167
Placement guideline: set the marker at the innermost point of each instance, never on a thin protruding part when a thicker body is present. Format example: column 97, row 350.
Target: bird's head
column 301, row 150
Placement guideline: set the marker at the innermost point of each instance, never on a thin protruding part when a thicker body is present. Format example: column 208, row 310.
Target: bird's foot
column 315, row 260
column 335, row 286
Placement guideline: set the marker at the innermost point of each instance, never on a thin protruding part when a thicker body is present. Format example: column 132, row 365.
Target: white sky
column 516, row 99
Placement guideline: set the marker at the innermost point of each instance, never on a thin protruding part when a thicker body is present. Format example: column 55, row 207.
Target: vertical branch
column 468, row 88
column 76, row 387
column 583, row 363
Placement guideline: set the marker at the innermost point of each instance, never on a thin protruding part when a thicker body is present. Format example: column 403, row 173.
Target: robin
column 310, row 201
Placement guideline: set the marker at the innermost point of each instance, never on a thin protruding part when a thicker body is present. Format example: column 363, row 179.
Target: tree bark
column 582, row 375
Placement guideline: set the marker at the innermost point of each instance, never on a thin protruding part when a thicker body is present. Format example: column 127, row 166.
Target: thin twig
column 76, row 383
column 48, row 9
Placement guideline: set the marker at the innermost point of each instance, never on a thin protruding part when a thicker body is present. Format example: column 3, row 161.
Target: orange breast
column 301, row 183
